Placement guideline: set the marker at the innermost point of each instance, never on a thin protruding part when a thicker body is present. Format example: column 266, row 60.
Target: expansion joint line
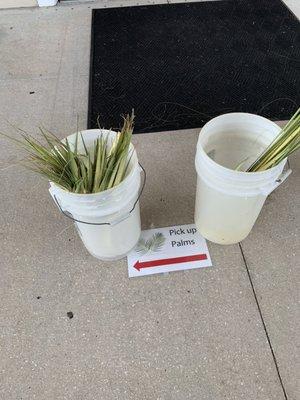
column 263, row 323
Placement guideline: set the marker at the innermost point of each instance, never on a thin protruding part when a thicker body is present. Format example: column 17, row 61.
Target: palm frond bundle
column 91, row 170
column 285, row 143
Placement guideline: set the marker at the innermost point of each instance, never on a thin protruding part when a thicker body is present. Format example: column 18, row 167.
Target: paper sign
column 173, row 248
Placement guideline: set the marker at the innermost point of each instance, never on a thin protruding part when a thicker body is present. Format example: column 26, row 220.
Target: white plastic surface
column 113, row 206
column 228, row 201
column 46, row 3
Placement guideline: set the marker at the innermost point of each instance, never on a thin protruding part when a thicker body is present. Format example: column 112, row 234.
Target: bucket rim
column 107, row 191
column 230, row 171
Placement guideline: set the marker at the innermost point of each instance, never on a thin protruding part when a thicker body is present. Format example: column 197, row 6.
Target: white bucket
column 110, row 225
column 46, row 3
column 228, row 201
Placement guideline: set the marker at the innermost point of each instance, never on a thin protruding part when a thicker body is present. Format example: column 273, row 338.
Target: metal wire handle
column 66, row 214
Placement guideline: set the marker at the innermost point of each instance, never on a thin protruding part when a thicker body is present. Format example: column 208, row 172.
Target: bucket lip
column 84, row 131
column 233, row 114
column 229, row 170
column 107, row 191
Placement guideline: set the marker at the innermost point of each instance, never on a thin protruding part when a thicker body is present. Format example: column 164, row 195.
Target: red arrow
column 167, row 261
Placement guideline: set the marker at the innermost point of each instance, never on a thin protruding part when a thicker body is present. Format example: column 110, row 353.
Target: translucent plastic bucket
column 228, row 201
column 108, row 222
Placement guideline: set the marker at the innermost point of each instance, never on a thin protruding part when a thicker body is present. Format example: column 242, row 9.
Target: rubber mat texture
column 179, row 65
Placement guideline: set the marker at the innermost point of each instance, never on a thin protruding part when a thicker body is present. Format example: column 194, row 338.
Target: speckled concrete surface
column 272, row 253
column 193, row 335
column 182, row 336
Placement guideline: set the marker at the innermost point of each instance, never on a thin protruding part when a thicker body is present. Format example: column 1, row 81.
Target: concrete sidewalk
column 227, row 332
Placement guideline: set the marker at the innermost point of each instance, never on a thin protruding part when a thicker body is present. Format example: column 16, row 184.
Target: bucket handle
column 282, row 177
column 117, row 221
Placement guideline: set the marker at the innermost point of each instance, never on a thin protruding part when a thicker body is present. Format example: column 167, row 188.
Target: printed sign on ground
column 168, row 249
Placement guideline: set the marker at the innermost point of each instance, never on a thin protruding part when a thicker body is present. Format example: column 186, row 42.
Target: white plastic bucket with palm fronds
column 229, row 201
column 108, row 222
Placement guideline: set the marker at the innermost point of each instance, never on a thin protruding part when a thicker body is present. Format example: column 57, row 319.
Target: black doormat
column 179, row 65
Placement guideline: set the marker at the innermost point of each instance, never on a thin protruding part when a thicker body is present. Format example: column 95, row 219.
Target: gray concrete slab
column 188, row 335
column 272, row 253
column 32, row 56
column 27, row 104
column 194, row 335
column 33, row 100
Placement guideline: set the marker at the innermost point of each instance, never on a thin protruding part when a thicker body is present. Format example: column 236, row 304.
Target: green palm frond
column 98, row 168
column 285, row 143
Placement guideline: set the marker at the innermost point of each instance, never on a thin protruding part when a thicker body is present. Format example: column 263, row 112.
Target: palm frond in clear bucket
column 287, row 141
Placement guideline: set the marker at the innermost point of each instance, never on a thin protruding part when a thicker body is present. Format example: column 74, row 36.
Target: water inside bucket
column 235, row 150
column 228, row 201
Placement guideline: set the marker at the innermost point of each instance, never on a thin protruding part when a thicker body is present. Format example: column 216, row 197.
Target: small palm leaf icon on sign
column 155, row 243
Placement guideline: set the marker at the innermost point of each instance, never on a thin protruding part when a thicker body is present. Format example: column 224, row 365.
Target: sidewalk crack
column 263, row 323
